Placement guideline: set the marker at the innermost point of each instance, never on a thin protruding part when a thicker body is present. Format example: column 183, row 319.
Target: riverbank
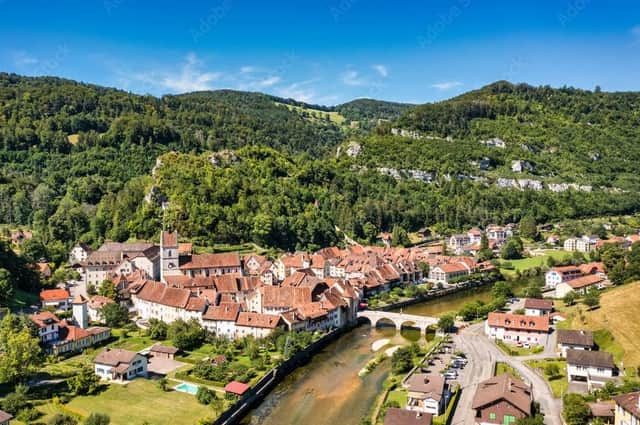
column 435, row 294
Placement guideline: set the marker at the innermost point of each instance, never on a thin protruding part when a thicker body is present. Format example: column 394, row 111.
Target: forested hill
column 567, row 135
column 77, row 163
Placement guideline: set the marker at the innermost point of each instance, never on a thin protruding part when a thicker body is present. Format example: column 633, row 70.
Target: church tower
column 169, row 256
column 80, row 312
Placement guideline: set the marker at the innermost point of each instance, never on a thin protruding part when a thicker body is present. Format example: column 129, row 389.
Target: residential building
column 256, row 324
column 456, row 243
column 56, row 298
column 586, row 244
column 121, row 365
column 592, row 367
column 570, row 244
column 521, row 166
column 48, row 326
column 537, row 307
column 395, row 416
column 502, row 399
column 221, row 319
column 74, row 339
column 580, row 285
column 446, row 272
column 574, row 340
column 155, row 300
column 627, row 409
column 517, row 328
column 94, row 307
column 79, row 253
column 426, row 393
column 561, row 274
column 44, row 269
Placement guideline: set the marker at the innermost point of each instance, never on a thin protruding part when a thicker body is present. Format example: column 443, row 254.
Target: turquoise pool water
column 187, row 388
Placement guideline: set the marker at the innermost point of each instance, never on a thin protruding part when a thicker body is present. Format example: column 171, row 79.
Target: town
column 500, row 366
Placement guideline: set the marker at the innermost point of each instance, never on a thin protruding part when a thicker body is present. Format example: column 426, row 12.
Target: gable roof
column 519, row 321
column 584, row 281
column 590, row 358
column 160, row 293
column 115, row 356
column 431, row 386
column 224, row 312
column 54, row 295
column 5, row 417
column 396, row 416
column 236, row 387
column 575, row 337
column 212, row 261
column 538, row 304
column 44, row 318
column 629, row 402
column 503, row 387
column 257, row 320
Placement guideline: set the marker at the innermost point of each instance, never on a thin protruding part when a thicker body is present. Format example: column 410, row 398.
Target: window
column 508, row 419
column 492, row 416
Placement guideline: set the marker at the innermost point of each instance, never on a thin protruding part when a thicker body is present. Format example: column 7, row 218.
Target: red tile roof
column 538, row 304
column 519, row 322
column 257, row 320
column 160, row 293
column 212, row 261
column 236, row 387
column 54, row 295
column 225, row 311
column 44, row 318
column 584, row 281
column 169, row 239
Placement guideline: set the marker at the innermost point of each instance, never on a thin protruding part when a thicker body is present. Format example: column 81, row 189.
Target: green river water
column 328, row 391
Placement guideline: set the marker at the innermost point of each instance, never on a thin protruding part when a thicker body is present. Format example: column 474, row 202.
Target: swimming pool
column 187, row 388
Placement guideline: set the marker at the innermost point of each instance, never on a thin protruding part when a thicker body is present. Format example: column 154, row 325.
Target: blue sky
column 325, row 52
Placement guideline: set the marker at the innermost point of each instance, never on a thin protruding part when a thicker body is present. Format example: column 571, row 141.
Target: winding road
column 482, row 353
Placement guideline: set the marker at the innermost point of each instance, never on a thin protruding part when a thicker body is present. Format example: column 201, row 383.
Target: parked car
column 450, row 375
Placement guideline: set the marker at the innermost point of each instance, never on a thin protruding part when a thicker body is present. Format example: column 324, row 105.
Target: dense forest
column 83, row 162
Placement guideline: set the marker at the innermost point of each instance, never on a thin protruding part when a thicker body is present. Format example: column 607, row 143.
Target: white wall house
column 593, row 367
column 121, row 365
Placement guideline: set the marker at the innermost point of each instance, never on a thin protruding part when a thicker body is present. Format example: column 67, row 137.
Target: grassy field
column 558, row 383
column 139, row 401
column 335, row 117
column 502, row 367
column 531, row 262
column 616, row 325
column 399, row 396
column 23, row 299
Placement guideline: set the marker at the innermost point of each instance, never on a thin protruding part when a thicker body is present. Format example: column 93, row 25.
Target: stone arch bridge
column 399, row 319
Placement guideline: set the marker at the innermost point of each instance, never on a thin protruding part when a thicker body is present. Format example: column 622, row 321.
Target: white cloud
column 247, row 69
column 447, row 85
column 381, row 70
column 22, row 58
column 352, row 78
column 191, row 78
column 269, row 81
column 299, row 91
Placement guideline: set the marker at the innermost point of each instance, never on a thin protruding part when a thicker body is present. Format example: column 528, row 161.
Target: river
column 328, row 391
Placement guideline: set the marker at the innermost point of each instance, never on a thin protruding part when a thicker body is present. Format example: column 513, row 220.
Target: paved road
column 482, row 354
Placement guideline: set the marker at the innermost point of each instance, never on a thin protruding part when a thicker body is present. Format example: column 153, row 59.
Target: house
column 155, row 300
column 457, row 242
column 475, row 235
column 580, row 285
column 553, row 239
column 502, row 399
column 118, row 364
column 220, row 320
column 5, row 418
column 395, row 416
column 94, row 307
column 446, row 272
column 56, row 298
column 73, row 339
column 586, row 244
column 605, row 411
column 627, row 409
column 561, row 274
column 498, row 234
column 20, row 236
column 257, row 324
column 574, row 340
column 236, row 388
column 592, row 367
column 537, row 307
column 385, row 238
column 48, row 326
column 517, row 328
column 426, row 393
column 570, row 244
column 163, row 351
column 79, row 253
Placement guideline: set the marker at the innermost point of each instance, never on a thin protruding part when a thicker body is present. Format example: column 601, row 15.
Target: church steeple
column 169, row 257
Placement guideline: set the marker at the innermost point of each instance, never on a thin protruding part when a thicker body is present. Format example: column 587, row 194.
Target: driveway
column 160, row 366
column 482, row 353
